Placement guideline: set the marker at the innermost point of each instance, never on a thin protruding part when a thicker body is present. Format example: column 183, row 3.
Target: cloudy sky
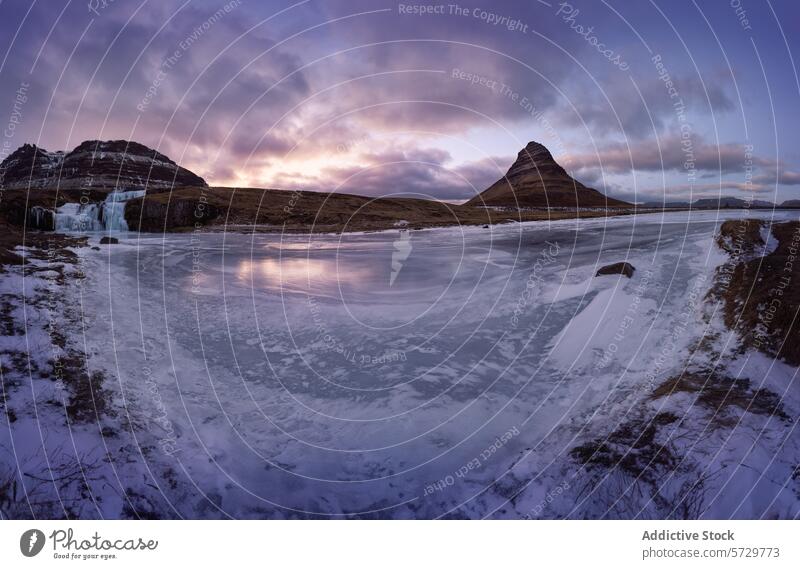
column 641, row 99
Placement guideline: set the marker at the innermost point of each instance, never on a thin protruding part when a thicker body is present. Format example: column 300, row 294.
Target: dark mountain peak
column 535, row 150
column 535, row 157
column 26, row 151
column 28, row 158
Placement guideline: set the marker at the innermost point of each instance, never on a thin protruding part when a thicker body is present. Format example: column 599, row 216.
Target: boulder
column 108, row 240
column 617, row 269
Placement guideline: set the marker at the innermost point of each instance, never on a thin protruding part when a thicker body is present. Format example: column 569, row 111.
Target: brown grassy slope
column 739, row 237
column 761, row 295
column 544, row 192
column 278, row 210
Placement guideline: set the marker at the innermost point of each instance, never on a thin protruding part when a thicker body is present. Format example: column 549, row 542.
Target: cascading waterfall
column 104, row 216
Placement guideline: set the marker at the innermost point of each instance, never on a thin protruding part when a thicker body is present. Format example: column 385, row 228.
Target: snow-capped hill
column 94, row 164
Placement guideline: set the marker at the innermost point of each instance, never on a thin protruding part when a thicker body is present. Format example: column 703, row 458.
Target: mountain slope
column 102, row 165
column 536, row 180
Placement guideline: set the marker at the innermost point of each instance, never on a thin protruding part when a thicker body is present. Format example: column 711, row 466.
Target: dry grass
column 87, row 399
column 761, row 295
column 737, row 236
column 278, row 210
column 631, row 448
column 717, row 393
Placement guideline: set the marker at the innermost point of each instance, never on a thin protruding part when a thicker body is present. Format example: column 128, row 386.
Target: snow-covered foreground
column 496, row 376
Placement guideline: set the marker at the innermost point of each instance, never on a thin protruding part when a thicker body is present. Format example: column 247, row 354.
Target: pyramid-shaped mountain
column 536, row 180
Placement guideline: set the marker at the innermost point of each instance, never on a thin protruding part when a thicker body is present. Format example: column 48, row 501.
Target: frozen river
column 398, row 374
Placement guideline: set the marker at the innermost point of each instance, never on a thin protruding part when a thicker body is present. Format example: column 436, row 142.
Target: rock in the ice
column 617, row 269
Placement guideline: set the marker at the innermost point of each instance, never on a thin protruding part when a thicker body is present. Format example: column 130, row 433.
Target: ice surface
column 284, row 376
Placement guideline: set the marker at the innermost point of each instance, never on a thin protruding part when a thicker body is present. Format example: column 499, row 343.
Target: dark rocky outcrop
column 536, row 180
column 106, row 240
column 617, row 269
column 19, row 209
column 104, row 165
column 160, row 213
column 40, row 217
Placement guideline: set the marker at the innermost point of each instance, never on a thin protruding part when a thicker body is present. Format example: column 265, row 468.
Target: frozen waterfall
column 108, row 215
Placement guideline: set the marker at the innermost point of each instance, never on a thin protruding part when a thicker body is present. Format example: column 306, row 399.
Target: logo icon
column 402, row 250
column 31, row 542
